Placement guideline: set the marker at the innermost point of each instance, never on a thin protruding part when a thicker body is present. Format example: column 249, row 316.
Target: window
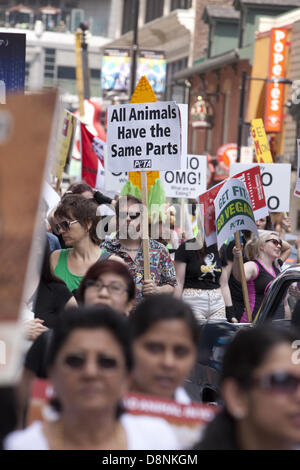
column 175, row 92
column 181, row 4
column 49, row 68
column 154, row 9
column 128, row 16
column 66, row 72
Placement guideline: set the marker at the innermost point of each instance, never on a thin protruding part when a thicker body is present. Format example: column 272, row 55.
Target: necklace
column 130, row 249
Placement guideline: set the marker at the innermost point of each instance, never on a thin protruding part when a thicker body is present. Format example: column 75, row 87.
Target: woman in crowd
column 89, row 363
column 107, row 282
column 260, row 385
column 264, row 223
column 165, row 336
column 110, row 283
column 202, row 281
column 77, row 222
column 264, row 254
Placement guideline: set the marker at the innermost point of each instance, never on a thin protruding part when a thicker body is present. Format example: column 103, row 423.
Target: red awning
column 49, row 10
column 21, row 9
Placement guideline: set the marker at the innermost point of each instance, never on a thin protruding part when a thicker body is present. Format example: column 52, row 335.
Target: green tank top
column 62, row 271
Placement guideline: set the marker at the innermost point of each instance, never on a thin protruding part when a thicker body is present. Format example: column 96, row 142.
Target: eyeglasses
column 279, row 382
column 65, row 225
column 132, row 216
column 78, row 361
column 275, row 242
column 114, row 288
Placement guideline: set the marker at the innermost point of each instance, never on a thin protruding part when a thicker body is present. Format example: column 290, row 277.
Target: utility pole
column 135, row 46
column 85, row 61
column 241, row 115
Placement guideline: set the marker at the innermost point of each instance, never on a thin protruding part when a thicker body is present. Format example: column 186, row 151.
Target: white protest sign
column 184, row 118
column 144, row 136
column 188, row 183
column 233, row 210
column 297, row 187
column 276, row 180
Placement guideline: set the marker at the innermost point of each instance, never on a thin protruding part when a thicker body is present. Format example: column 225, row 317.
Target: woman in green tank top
column 77, row 222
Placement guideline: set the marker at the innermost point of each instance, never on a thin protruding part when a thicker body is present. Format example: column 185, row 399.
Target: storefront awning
column 208, row 65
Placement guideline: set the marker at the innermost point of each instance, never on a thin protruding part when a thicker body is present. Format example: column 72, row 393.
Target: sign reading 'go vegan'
column 233, row 210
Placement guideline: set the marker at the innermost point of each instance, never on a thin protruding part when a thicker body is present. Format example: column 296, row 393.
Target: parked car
column 202, row 385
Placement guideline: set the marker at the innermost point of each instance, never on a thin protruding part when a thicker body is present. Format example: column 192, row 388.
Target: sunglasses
column 113, row 287
column 279, row 382
column 275, row 242
column 65, row 225
column 124, row 215
column 78, row 362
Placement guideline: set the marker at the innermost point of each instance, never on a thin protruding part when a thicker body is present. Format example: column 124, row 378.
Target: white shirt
column 142, row 432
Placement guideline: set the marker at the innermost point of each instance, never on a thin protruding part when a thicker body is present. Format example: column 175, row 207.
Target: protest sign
column 272, row 175
column 144, row 136
column 188, row 183
column 65, row 136
column 297, row 188
column 252, row 179
column 261, row 144
column 12, row 63
column 23, row 155
column 233, row 210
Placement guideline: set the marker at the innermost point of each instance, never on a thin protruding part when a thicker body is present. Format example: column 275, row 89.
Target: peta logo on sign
column 142, row 163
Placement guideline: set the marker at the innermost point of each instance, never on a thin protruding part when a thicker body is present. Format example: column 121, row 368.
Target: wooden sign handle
column 243, row 278
column 145, row 226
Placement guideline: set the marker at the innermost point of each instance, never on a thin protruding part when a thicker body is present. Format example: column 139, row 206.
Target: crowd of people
column 97, row 329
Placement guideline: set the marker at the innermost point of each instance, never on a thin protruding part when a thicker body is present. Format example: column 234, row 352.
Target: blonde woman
column 265, row 255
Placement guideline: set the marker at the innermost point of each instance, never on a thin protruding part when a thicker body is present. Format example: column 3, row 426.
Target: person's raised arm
column 250, row 267
column 180, row 269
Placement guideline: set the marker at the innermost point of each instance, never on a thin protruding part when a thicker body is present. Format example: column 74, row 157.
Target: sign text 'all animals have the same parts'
column 144, row 136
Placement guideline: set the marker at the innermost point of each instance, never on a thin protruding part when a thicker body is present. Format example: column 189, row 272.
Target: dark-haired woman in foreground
column 260, row 385
column 165, row 336
column 89, row 363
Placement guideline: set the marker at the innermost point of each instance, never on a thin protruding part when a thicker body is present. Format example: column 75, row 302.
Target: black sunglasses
column 275, row 242
column 133, row 216
column 78, row 361
column 279, row 382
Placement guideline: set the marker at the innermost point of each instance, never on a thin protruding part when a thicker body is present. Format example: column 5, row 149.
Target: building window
column 128, row 17
column 173, row 91
column 181, row 4
column 68, row 73
column 154, row 9
column 49, row 68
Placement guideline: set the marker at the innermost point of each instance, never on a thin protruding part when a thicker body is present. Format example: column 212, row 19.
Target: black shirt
column 202, row 272
column 51, row 298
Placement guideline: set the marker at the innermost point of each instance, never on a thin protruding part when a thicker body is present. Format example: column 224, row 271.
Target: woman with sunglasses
column 260, row 386
column 89, row 362
column 264, row 266
column 77, row 223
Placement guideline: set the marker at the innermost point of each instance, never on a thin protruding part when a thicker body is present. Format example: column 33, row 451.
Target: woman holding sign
column 264, row 266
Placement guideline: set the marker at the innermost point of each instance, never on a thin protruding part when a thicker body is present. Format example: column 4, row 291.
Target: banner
column 188, row 183
column 144, row 136
column 65, row 136
column 252, row 180
column 92, row 158
column 272, row 175
column 233, row 210
column 24, row 148
column 153, row 65
column 297, row 188
column 12, row 64
column 275, row 90
column 115, row 70
column 261, row 144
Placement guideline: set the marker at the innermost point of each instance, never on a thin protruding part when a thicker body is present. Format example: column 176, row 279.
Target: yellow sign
column 143, row 94
column 261, row 144
column 65, row 137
